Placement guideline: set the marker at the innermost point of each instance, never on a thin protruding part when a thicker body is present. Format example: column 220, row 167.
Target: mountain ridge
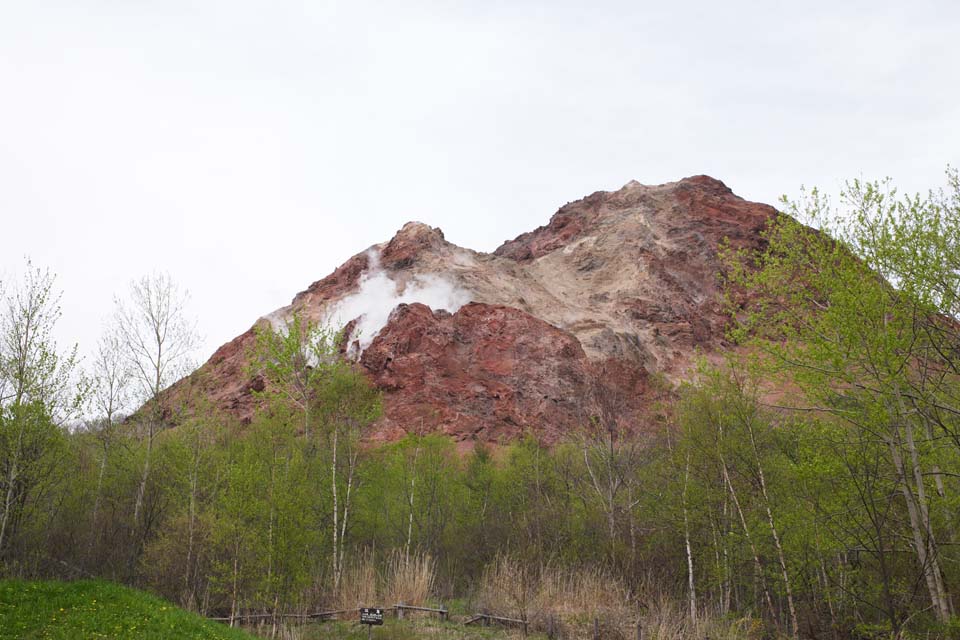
column 564, row 323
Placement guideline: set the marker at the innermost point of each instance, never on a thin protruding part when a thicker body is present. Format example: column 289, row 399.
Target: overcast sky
column 250, row 148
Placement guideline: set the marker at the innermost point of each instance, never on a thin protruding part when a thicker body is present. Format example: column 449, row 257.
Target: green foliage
column 38, row 389
column 860, row 320
column 295, row 361
column 32, row 368
column 32, row 449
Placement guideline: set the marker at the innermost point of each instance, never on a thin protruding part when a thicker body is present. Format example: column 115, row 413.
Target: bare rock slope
column 567, row 322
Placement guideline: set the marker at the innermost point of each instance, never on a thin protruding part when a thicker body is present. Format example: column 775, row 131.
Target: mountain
column 582, row 318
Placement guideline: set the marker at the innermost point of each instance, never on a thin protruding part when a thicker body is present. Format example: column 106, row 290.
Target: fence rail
column 487, row 618
column 477, row 618
column 318, row 615
column 400, row 607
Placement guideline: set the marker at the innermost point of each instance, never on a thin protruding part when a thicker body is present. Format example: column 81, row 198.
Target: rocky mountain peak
column 402, row 251
column 616, row 289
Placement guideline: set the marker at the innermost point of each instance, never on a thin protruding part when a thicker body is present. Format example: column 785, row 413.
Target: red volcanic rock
column 700, row 205
column 565, row 225
column 489, row 372
column 225, row 381
column 566, row 322
column 410, row 242
column 342, row 281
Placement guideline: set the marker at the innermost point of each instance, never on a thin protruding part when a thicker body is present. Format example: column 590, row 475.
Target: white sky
column 250, row 148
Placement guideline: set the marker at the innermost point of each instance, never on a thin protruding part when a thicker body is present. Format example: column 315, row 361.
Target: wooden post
column 596, row 628
column 400, row 611
column 639, row 631
column 444, row 614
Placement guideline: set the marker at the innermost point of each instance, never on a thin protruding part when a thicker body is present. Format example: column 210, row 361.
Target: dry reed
column 408, row 578
column 358, row 585
column 564, row 602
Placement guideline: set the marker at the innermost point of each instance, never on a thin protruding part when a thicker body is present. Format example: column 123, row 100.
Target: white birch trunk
column 773, row 531
column 692, row 590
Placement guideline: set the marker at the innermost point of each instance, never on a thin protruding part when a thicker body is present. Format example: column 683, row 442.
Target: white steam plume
column 379, row 295
column 279, row 320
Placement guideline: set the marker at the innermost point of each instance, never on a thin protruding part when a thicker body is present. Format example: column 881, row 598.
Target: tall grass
column 549, row 596
column 564, row 602
column 358, row 584
column 400, row 578
column 409, row 578
column 508, row 587
column 667, row 618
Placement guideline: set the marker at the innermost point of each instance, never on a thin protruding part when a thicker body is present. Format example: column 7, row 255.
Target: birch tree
column 348, row 404
column 110, row 378
column 159, row 339
column 303, row 369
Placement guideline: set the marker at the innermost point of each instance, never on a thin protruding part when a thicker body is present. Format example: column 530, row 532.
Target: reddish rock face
column 490, row 372
column 565, row 323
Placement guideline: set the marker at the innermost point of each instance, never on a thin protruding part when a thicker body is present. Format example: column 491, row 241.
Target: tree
column 347, row 405
column 159, row 340
column 110, row 378
column 411, row 493
column 31, row 367
column 37, row 392
column 712, row 436
column 612, row 458
column 861, row 316
column 294, row 360
column 303, row 369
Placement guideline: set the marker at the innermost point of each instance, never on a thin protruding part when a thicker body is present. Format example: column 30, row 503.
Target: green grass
column 417, row 629
column 97, row 609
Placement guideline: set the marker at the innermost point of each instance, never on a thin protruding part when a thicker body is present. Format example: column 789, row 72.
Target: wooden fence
column 321, row 616
column 399, row 608
column 485, row 618
column 318, row 615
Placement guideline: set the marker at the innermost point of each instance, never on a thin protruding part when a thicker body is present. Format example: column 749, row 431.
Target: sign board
column 369, row 615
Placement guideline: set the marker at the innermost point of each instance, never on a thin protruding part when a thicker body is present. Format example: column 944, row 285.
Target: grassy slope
column 97, row 609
